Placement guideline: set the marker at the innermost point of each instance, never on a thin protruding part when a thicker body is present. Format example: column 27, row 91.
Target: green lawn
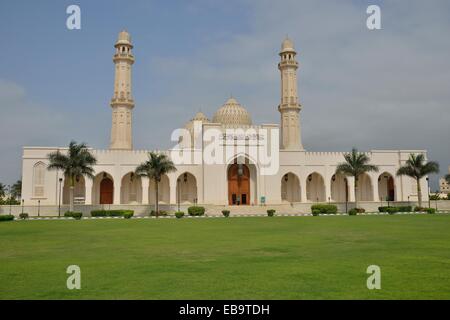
column 235, row 258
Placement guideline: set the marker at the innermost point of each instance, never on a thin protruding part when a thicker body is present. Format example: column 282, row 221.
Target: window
column 39, row 179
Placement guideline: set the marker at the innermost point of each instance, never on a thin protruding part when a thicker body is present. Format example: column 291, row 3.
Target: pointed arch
column 290, row 188
column 386, row 187
column 187, row 188
column 39, row 171
column 315, row 188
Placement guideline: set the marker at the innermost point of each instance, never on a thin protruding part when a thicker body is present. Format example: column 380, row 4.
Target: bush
column 435, row 197
column 448, row 196
column 360, row 210
column 405, row 209
column 383, row 209
column 196, row 211
column 23, row 216
column 111, row 213
column 179, row 214
column 271, row 212
column 315, row 212
column 128, row 215
column 325, row 208
column 6, row 217
column 226, row 213
column 392, row 210
column 162, row 213
column 430, row 210
column 75, row 215
column 353, row 212
column 420, row 209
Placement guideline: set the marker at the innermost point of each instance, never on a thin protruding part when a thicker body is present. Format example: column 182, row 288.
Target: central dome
column 232, row 113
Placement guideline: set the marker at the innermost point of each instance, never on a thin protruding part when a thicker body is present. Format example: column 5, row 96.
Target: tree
column 356, row 163
column 16, row 189
column 75, row 164
column 417, row 168
column 154, row 168
column 2, row 190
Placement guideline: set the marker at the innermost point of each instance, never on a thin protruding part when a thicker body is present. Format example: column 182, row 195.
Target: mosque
column 296, row 176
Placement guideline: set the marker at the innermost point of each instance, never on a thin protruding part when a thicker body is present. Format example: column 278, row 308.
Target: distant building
column 444, row 186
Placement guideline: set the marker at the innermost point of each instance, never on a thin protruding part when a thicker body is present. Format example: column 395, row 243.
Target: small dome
column 287, row 45
column 124, row 38
column 232, row 113
column 200, row 116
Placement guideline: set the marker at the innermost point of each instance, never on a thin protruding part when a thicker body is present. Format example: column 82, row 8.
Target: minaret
column 289, row 106
column 122, row 102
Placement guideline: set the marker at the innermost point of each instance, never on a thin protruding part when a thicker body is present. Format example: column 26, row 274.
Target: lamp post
column 10, row 198
column 59, row 202
column 39, row 208
column 23, row 201
column 409, row 202
column 428, row 188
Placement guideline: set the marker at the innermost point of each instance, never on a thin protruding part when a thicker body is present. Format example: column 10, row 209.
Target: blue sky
column 384, row 89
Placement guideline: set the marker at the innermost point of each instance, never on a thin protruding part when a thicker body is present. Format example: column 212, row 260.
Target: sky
column 370, row 89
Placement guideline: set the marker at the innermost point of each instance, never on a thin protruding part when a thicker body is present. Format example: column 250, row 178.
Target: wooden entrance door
column 238, row 185
column 106, row 191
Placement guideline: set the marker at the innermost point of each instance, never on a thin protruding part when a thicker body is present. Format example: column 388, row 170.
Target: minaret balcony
column 288, row 63
column 122, row 102
column 123, row 56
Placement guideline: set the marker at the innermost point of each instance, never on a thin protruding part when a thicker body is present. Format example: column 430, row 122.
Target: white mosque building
column 300, row 177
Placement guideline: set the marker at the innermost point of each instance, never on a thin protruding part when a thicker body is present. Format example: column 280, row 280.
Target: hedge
column 75, row 215
column 6, row 217
column 111, row 213
column 23, row 216
column 128, row 214
column 162, row 213
column 399, row 209
column 324, row 208
column 196, row 211
column 226, row 213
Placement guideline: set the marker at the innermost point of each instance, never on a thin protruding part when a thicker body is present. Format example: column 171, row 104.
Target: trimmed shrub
column 271, row 212
column 162, row 213
column 315, row 212
column 360, row 210
column 226, row 213
column 6, row 217
column 23, row 216
column 196, row 211
column 128, row 215
column 420, row 209
column 383, row 209
column 111, row 213
column 75, row 215
column 430, row 210
column 448, row 196
column 179, row 214
column 325, row 208
column 405, row 209
column 353, row 212
column 392, row 210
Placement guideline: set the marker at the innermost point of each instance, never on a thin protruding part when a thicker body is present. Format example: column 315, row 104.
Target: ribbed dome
column 232, row 113
column 287, row 45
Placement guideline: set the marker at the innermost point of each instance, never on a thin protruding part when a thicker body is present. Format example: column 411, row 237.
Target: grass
column 235, row 258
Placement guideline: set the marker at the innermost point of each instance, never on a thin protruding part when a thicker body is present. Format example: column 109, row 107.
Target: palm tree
column 154, row 168
column 416, row 167
column 356, row 163
column 76, row 164
column 16, row 191
column 2, row 190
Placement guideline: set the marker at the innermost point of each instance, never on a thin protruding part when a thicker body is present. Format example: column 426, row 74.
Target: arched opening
column 163, row 191
column 386, row 187
column 290, row 188
column 315, row 188
column 186, row 188
column 365, row 190
column 238, row 184
column 103, row 189
column 339, row 188
column 79, row 191
column 131, row 189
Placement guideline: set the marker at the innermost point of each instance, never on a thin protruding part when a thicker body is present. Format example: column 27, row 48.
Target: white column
column 327, row 189
column 145, row 186
column 88, row 191
column 117, row 188
column 303, row 189
column 173, row 190
column 376, row 196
